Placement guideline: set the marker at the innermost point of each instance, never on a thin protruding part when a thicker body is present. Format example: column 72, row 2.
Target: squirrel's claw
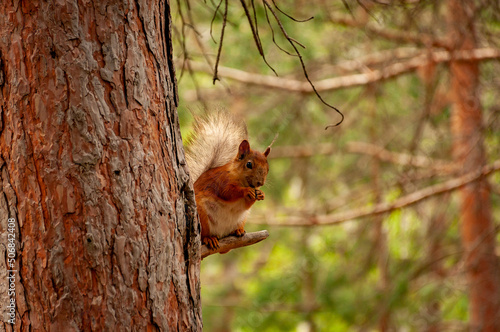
column 255, row 194
column 259, row 195
column 211, row 241
column 239, row 232
column 251, row 194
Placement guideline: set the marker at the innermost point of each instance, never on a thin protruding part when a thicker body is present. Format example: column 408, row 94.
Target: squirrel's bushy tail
column 214, row 142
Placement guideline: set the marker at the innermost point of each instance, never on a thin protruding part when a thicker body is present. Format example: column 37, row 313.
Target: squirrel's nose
column 259, row 184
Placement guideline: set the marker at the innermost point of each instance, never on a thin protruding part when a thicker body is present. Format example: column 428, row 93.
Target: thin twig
column 200, row 44
column 297, row 42
column 255, row 33
column 213, row 19
column 182, row 38
column 224, row 21
column 302, row 63
column 233, row 242
column 199, row 96
column 272, row 34
column 290, row 17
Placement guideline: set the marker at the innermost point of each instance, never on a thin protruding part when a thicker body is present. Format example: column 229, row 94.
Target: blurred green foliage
column 402, row 268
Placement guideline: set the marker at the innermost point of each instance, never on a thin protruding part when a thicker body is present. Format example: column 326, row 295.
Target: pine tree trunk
column 92, row 169
column 478, row 233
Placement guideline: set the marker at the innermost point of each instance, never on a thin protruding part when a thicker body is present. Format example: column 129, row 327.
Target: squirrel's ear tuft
column 244, row 149
column 266, row 153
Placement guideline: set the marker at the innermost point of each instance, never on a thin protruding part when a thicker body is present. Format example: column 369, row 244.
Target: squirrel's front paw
column 255, row 194
column 211, row 241
column 251, row 194
column 259, row 195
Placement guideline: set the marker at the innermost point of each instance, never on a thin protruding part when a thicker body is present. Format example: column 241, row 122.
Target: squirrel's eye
column 249, row 165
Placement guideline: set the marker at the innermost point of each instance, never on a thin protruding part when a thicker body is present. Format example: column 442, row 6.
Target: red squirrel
column 227, row 175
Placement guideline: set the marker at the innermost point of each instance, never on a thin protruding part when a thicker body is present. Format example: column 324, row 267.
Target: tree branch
column 365, row 62
column 355, row 80
column 233, row 242
column 398, row 36
column 413, row 198
column 403, row 159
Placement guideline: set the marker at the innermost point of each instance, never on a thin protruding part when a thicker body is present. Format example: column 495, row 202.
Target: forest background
column 369, row 222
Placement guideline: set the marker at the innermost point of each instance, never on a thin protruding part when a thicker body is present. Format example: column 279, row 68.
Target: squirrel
column 227, row 175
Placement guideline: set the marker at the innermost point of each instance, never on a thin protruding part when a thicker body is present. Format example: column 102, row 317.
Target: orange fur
column 225, row 194
column 227, row 175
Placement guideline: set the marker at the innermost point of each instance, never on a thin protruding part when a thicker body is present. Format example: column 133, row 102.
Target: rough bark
column 478, row 233
column 92, row 169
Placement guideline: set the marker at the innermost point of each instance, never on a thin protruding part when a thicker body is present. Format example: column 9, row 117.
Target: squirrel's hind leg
column 206, row 238
column 240, row 231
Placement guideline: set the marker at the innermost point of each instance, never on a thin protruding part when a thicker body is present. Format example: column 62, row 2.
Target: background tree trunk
column 478, row 233
column 92, row 168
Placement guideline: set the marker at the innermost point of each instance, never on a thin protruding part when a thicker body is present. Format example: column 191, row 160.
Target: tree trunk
column 92, row 169
column 478, row 233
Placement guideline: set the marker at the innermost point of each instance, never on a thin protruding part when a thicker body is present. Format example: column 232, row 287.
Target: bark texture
column 478, row 233
column 92, row 168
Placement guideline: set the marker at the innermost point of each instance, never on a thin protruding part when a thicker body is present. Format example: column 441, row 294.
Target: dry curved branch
column 349, row 81
column 233, row 242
